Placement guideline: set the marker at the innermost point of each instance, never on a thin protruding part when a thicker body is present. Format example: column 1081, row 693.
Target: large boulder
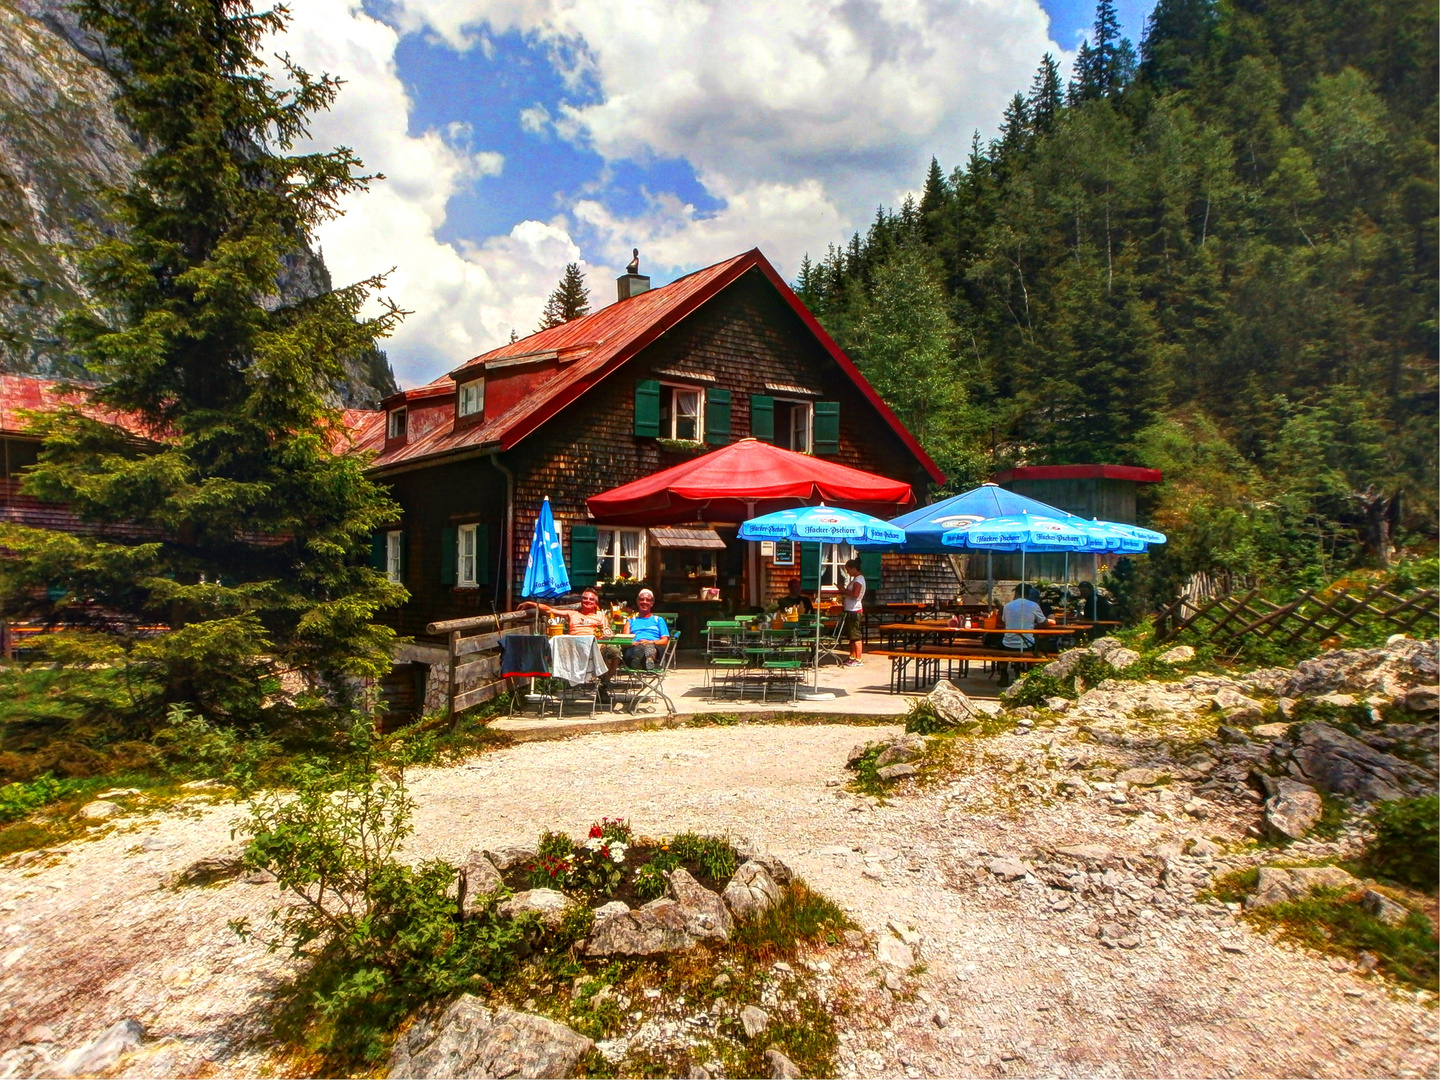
column 706, row 915
column 1292, row 809
column 898, row 754
column 469, row 1040
column 1120, row 659
column 549, row 904
column 658, row 927
column 751, row 891
column 1388, row 670
column 1334, row 762
column 776, row 867
column 951, row 704
column 1103, row 647
column 1063, row 666
column 508, row 858
column 479, row 880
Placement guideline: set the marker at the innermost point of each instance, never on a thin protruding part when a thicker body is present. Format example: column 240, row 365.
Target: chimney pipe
column 632, row 282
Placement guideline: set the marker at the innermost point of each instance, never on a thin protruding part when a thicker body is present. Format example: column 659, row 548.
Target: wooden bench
column 926, row 663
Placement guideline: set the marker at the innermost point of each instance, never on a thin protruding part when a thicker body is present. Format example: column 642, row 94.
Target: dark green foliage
column 1406, row 847
column 1035, row 687
column 922, row 719
column 714, row 854
column 1220, row 262
column 222, row 509
column 570, row 300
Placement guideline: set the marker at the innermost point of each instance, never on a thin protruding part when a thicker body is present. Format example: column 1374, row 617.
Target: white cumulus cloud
column 465, row 298
column 798, row 117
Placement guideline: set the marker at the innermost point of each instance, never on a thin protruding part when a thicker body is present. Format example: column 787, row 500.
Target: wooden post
column 454, row 674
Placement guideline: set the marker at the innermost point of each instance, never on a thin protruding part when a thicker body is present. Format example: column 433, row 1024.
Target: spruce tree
column 1045, row 96
column 570, row 300
column 208, row 470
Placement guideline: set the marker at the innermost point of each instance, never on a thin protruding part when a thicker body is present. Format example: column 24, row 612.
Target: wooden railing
column 1225, row 620
column 474, row 651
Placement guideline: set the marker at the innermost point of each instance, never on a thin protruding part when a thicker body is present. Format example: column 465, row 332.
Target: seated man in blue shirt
column 1022, row 613
column 651, row 634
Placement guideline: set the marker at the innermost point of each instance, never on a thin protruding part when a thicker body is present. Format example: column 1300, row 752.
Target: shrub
column 1406, row 847
column 1036, row 686
column 383, row 937
column 192, row 746
column 555, row 845
column 650, row 880
column 923, row 719
column 18, row 800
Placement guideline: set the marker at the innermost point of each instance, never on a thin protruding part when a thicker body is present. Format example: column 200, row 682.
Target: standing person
column 1020, row 614
column 853, row 601
column 651, row 634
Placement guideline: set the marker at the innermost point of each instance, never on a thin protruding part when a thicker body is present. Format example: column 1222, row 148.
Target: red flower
column 596, row 832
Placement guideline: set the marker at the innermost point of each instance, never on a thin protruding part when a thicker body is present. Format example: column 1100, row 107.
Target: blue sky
column 518, row 135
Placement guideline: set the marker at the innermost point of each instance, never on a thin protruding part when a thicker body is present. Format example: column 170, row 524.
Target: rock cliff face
column 60, row 142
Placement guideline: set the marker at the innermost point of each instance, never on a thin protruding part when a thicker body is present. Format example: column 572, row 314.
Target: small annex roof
column 20, row 394
column 1137, row 473
column 594, row 346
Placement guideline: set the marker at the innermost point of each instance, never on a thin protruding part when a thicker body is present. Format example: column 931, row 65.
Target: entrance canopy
column 743, row 480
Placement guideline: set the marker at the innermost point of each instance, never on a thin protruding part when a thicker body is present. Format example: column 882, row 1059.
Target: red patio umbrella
column 744, row 480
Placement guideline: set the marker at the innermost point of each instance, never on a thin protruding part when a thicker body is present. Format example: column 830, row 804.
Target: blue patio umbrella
column 828, row 525
column 545, row 573
column 925, row 526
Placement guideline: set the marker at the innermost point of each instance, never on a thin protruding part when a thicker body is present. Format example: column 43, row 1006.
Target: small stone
column 854, row 939
column 898, row 754
column 550, row 904
column 896, row 772
column 614, row 907
column 1008, row 869
column 781, row 1067
column 753, row 1020
column 1180, row 654
column 1383, row 908
column 1122, row 658
column 1139, row 777
column 1231, row 947
column 721, row 981
column 122, row 792
column 894, row 953
column 1129, row 941
column 1367, row 962
column 903, row 932
column 1118, row 798
column 1065, row 903
column 1270, row 731
column 1422, row 699
column 941, row 1017
column 100, row 810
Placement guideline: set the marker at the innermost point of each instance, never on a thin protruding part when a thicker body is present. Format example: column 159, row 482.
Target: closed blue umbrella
column 545, row 573
column 827, row 525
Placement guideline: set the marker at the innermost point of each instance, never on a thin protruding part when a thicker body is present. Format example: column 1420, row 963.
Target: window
column 792, row 425
column 833, row 558
column 682, row 413
column 396, row 428
column 392, row 556
column 620, row 554
column 472, row 397
column 466, row 568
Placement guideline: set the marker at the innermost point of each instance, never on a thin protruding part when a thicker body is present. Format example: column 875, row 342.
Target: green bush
column 1406, row 847
column 922, row 718
column 192, row 746
column 18, row 800
column 650, row 880
column 1036, row 686
column 382, row 937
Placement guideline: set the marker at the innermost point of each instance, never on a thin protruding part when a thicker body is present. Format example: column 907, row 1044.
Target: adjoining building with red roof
column 726, row 353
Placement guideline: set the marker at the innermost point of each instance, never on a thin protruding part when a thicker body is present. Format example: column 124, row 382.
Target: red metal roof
column 26, row 392
column 588, row 349
column 1136, row 473
column 742, row 480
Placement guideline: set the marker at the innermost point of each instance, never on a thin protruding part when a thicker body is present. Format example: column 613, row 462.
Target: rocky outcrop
column 1291, row 808
column 706, row 915
column 479, row 880
column 1340, row 764
column 470, row 1040
column 658, row 927
column 549, row 904
column 1390, row 670
column 61, row 144
column 952, row 705
column 1277, row 884
column 103, row 1051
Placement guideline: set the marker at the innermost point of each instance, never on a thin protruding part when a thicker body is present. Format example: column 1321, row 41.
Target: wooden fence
column 474, row 651
column 1314, row 614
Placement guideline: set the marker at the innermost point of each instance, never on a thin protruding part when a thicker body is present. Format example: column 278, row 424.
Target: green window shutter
column 810, row 567
column 762, row 417
column 717, row 416
column 482, row 554
column 377, row 551
column 582, row 555
column 647, row 408
column 448, row 550
column 827, row 427
column 870, row 567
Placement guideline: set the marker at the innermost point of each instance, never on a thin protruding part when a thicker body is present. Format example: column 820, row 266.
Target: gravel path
column 97, row 939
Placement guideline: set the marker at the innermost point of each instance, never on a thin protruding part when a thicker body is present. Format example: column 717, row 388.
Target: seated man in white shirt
column 1022, row 613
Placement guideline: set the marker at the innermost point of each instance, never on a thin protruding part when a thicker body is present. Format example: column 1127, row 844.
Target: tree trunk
column 1380, row 510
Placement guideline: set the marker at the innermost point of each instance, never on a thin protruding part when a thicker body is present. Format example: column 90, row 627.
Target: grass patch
column 1331, row 921
column 867, row 776
column 1231, row 888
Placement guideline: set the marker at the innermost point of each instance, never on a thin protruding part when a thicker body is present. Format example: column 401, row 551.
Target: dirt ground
column 93, row 935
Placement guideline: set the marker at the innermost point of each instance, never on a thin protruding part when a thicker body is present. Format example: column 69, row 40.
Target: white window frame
column 464, row 580
column 802, row 416
column 392, row 556
column 667, row 404
column 608, row 564
column 475, row 389
column 833, row 558
column 395, row 423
